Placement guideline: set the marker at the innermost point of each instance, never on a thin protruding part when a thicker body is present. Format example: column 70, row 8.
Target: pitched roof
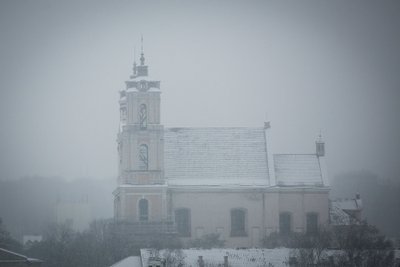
column 132, row 261
column 349, row 204
column 339, row 211
column 297, row 170
column 7, row 256
column 338, row 216
column 252, row 257
column 215, row 156
column 223, row 156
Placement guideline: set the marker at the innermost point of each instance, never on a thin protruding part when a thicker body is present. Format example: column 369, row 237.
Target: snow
column 142, row 78
column 297, row 170
column 217, row 182
column 141, row 186
column 223, row 156
column 338, row 216
column 215, row 156
column 349, row 204
column 236, row 257
column 133, row 261
column 154, row 89
column 132, row 89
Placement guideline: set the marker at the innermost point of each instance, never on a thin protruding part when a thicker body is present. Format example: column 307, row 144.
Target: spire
column 142, row 53
column 134, row 61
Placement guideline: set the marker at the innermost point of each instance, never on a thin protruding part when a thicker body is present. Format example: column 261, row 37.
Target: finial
column 319, row 136
column 141, row 41
column 142, row 53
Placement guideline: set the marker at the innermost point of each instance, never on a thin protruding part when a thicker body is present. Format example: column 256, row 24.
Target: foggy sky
column 306, row 66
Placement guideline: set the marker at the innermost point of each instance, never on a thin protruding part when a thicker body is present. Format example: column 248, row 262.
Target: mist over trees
column 28, row 205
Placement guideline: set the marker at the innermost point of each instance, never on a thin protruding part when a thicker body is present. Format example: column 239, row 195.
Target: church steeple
column 140, row 150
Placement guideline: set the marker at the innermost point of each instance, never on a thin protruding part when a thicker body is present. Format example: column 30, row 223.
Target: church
column 198, row 181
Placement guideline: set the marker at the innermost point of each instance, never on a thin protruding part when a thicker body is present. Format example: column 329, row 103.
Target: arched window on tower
column 143, row 210
column 143, row 116
column 143, row 157
column 238, row 220
column 182, row 220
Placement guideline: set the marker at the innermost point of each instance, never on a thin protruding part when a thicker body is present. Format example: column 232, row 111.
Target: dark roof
column 10, row 256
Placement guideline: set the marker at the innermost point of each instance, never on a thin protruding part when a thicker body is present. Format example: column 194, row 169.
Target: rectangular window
column 238, row 222
column 182, row 220
column 285, row 223
column 312, row 223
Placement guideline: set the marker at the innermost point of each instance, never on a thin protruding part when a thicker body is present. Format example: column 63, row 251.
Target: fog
column 308, row 67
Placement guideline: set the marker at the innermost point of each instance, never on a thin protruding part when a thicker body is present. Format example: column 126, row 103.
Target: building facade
column 197, row 181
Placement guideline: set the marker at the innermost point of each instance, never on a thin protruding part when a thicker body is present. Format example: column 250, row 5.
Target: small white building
column 198, row 181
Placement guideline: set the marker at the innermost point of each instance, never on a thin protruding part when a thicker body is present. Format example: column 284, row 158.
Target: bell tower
column 141, row 192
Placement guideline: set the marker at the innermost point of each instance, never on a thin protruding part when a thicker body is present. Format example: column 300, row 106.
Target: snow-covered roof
column 236, row 156
column 341, row 211
column 215, row 257
column 133, row 261
column 297, row 170
column 143, row 78
column 349, row 204
column 338, row 216
column 132, row 89
column 215, row 156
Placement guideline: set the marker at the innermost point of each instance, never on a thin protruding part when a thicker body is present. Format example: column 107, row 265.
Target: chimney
column 226, row 261
column 320, row 147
